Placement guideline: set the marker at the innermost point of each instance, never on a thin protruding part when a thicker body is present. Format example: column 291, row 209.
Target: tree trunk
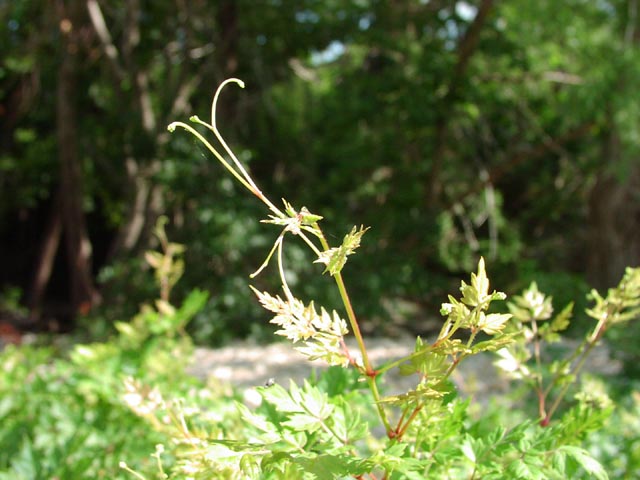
column 78, row 246
column 145, row 197
column 614, row 221
column 46, row 258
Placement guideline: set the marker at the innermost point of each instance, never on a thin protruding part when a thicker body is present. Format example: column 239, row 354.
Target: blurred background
column 454, row 129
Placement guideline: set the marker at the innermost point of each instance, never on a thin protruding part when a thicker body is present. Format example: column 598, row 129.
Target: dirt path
column 245, row 366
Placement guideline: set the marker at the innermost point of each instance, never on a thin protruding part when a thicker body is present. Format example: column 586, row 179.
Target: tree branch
column 466, row 47
column 100, row 26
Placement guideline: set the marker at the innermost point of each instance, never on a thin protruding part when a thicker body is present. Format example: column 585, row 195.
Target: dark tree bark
column 227, row 21
column 614, row 202
column 67, row 219
column 78, row 246
column 614, row 222
column 46, row 257
column 145, row 197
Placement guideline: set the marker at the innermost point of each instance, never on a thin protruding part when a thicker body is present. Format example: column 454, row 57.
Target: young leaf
column 531, row 305
column 495, row 343
column 335, row 258
column 493, row 322
column 476, row 293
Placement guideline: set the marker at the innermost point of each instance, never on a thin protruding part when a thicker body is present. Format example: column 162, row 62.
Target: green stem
column 240, row 174
column 586, row 349
column 391, row 365
column 369, row 372
column 220, row 158
column 355, row 328
column 285, row 285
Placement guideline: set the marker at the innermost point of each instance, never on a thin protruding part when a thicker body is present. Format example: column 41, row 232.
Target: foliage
column 126, row 408
column 313, row 432
column 63, row 416
column 452, row 148
column 617, row 445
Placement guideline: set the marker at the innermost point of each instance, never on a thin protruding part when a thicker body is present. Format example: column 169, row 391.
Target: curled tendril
column 237, row 170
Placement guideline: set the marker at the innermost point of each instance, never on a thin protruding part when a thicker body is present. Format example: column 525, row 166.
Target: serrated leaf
column 336, row 258
column 347, row 423
column 493, row 323
column 476, row 293
column 558, row 461
column 586, row 461
column 280, row 398
column 520, row 470
column 450, row 346
column 422, row 392
column 467, row 450
column 427, row 363
column 327, row 466
column 562, row 320
column 270, row 431
column 288, row 208
column 469, row 294
column 308, row 218
column 495, row 343
column 511, row 365
column 303, row 422
column 250, row 467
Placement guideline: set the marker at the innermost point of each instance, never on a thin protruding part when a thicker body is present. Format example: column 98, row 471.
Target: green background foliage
column 451, row 133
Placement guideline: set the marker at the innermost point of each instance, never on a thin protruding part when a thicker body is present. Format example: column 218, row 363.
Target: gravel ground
column 246, row 366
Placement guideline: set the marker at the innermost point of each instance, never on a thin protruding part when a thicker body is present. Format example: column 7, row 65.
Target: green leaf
column 476, row 293
column 558, row 461
column 280, row 398
column 250, row 467
column 493, row 323
column 520, row 470
column 268, row 429
column 586, row 461
column 335, row 258
column 495, row 343
column 424, row 391
column 425, row 362
column 549, row 331
column 467, row 450
column 308, row 218
column 303, row 422
column 305, row 408
column 331, row 466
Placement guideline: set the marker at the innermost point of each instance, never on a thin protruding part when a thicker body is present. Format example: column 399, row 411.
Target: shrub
column 334, row 429
column 69, row 416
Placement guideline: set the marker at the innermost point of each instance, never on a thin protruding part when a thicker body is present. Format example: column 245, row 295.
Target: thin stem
column 564, row 389
column 283, row 279
column 576, row 353
column 128, row 469
column 590, row 344
column 236, row 162
column 539, row 386
column 369, row 372
column 373, row 387
column 240, row 174
column 537, row 355
column 268, row 259
column 355, row 327
column 308, row 241
column 214, row 128
column 409, row 421
column 220, row 158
